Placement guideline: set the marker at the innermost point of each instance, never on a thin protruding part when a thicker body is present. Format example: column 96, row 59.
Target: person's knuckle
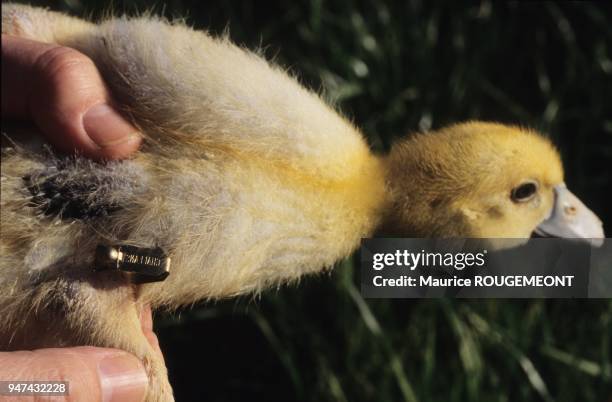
column 60, row 63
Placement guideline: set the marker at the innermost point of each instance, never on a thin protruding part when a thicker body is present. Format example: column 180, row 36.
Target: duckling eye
column 524, row 192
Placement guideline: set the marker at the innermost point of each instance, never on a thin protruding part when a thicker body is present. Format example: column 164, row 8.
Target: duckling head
column 482, row 180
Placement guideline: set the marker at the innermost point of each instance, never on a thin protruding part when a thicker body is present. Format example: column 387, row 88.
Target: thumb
column 92, row 374
column 62, row 91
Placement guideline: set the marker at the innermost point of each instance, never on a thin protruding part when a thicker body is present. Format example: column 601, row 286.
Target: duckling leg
column 119, row 323
column 98, row 311
column 49, row 294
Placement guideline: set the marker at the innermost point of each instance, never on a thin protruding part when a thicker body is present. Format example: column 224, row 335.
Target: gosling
column 246, row 180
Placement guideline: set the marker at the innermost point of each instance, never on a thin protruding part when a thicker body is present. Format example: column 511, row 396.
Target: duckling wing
column 251, row 179
column 185, row 86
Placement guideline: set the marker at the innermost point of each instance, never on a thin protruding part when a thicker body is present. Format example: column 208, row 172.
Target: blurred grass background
column 397, row 67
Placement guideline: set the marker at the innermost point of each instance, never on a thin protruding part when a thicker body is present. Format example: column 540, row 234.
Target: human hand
column 92, row 374
column 62, row 92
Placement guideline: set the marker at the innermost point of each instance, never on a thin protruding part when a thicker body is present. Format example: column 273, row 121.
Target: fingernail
column 105, row 126
column 122, row 378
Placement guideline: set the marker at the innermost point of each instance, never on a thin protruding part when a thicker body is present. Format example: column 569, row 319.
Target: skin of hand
column 93, row 374
column 62, row 92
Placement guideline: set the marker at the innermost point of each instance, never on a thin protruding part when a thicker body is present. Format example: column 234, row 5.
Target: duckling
column 246, row 180
column 482, row 180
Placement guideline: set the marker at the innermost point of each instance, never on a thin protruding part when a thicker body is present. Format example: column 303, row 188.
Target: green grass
column 397, row 67
column 322, row 341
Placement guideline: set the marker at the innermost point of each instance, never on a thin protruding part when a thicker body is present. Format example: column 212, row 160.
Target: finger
column 146, row 322
column 62, row 91
column 93, row 374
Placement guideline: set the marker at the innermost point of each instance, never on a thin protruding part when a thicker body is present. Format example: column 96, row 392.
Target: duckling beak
column 570, row 218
